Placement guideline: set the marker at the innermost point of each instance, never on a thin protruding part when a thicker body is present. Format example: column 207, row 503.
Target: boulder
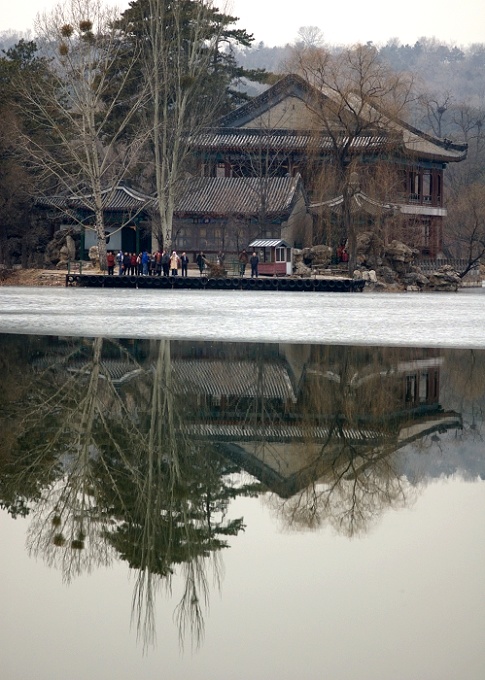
column 415, row 279
column 320, row 256
column 60, row 248
column 93, row 255
column 445, row 279
column 367, row 275
column 387, row 275
column 399, row 252
column 302, row 270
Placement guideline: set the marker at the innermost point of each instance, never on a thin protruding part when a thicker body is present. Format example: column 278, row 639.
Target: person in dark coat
column 254, row 261
column 126, row 263
column 184, row 263
column 158, row 263
column 200, row 259
column 166, row 263
column 243, row 261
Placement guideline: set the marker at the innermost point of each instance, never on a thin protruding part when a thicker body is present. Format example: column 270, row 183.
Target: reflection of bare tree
column 358, row 396
column 464, row 384
column 118, row 475
column 127, row 450
column 165, row 514
column 66, row 430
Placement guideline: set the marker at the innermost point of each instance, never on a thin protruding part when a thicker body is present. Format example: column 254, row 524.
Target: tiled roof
column 239, row 139
column 119, row 198
column 237, row 195
column 414, row 141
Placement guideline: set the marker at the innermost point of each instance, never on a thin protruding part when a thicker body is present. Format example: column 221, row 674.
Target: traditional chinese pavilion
column 277, row 134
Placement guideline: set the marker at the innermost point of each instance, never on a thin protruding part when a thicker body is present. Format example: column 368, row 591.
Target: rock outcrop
column 395, row 269
column 93, row 255
column 306, row 258
column 444, row 278
column 61, row 249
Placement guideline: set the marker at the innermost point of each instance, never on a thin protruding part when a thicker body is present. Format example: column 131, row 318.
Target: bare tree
column 181, row 63
column 85, row 148
column 437, row 108
column 309, row 36
column 465, row 226
column 354, row 95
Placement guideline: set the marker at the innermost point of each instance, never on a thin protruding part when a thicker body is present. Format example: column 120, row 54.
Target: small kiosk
column 274, row 256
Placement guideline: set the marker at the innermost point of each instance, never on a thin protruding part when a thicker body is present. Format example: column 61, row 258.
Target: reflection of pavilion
column 291, row 414
column 263, row 413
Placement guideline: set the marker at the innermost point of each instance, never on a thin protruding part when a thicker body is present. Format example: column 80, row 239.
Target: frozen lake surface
column 425, row 320
column 363, row 530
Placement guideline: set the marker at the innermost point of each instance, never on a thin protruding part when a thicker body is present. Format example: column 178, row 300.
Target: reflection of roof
column 211, row 377
column 438, row 422
column 116, row 371
column 237, row 195
column 232, row 378
column 287, row 458
column 282, row 432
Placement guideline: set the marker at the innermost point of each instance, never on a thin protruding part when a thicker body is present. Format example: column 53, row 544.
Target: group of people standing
column 253, row 261
column 161, row 263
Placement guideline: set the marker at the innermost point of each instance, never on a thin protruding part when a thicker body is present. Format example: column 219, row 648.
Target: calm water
column 241, row 486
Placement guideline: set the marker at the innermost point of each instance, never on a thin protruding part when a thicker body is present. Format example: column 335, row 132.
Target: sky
column 276, row 23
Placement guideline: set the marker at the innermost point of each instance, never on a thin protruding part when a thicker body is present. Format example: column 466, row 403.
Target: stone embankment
column 389, row 267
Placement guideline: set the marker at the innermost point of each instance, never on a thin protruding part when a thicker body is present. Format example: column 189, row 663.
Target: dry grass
column 32, row 277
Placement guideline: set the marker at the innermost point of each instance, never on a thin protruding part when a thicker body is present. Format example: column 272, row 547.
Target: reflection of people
column 200, row 262
column 254, row 261
column 243, row 260
column 184, row 263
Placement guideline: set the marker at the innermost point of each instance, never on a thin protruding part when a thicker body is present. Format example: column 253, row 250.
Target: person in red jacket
column 110, row 262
